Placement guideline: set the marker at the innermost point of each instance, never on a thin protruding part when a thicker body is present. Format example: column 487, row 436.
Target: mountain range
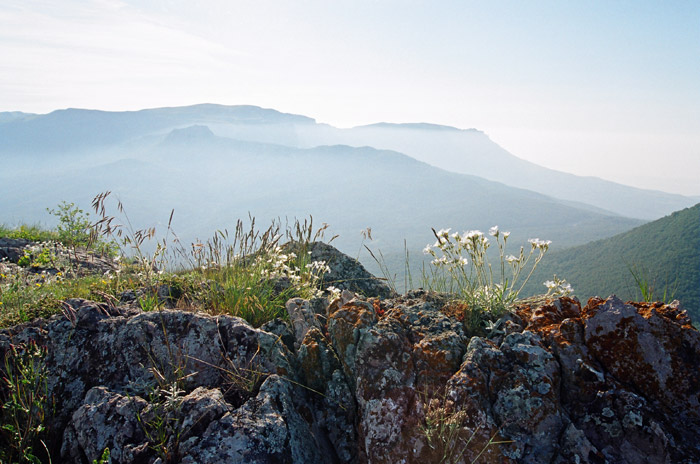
column 214, row 164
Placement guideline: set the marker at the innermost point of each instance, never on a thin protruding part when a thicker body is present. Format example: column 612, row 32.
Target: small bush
column 25, row 405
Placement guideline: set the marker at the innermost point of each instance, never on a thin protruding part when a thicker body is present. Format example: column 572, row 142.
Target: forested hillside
column 665, row 254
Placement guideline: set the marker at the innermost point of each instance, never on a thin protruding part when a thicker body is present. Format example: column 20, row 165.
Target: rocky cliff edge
column 393, row 380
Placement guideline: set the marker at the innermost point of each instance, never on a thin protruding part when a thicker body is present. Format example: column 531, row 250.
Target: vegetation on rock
column 145, row 357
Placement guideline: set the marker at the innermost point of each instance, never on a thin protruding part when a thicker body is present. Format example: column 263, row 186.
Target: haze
column 608, row 89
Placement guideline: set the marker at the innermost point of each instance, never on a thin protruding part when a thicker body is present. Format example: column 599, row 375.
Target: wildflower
column 334, row 291
column 443, row 232
column 426, row 251
column 540, row 244
column 472, row 234
column 510, row 259
column 506, row 235
column 558, row 287
column 493, row 231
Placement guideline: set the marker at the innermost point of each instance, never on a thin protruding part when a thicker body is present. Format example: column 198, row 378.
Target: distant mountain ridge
column 413, row 126
column 472, row 152
column 465, row 151
column 212, row 180
column 78, row 129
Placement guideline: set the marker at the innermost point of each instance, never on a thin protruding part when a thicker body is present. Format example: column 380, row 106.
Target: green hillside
column 665, row 253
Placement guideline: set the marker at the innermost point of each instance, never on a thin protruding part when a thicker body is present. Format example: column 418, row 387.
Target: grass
column 246, row 273
column 35, row 233
column 648, row 289
column 25, row 405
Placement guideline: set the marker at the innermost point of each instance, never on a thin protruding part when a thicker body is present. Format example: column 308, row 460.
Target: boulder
column 372, row 380
column 346, row 273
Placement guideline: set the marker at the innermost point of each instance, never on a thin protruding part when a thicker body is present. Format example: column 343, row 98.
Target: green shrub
column 25, row 405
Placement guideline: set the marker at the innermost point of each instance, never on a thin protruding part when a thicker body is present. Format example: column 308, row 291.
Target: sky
column 595, row 88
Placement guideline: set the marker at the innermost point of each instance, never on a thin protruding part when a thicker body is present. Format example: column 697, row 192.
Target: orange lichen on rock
column 671, row 311
column 455, row 309
column 547, row 318
column 646, row 346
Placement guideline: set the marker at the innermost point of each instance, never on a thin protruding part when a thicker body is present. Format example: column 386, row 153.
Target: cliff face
column 368, row 380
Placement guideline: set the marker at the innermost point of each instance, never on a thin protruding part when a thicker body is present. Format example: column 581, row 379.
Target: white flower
column 493, row 231
column 444, row 233
column 472, row 234
column 427, row 250
column 506, row 234
column 541, row 244
column 511, row 259
column 334, row 291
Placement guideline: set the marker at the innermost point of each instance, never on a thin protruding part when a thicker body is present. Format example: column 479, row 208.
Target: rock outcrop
column 77, row 260
column 345, row 273
column 369, row 380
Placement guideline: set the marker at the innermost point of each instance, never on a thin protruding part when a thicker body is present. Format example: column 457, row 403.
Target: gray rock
column 106, row 420
column 368, row 380
column 266, row 429
column 345, row 273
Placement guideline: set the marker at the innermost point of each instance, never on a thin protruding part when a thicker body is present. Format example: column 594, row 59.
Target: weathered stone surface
column 302, row 317
column 77, row 260
column 630, row 377
column 267, row 428
column 345, row 273
column 122, row 349
column 12, row 249
column 393, row 354
column 378, row 381
column 106, row 420
column 334, row 411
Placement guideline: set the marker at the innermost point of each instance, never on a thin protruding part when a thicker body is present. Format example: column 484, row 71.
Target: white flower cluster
column 462, row 259
column 558, row 287
column 454, row 245
column 334, row 292
column 539, row 244
column 283, row 265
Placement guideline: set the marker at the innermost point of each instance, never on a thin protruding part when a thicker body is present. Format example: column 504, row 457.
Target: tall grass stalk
column 647, row 286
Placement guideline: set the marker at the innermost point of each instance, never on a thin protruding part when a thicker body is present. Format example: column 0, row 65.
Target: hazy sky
column 603, row 88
